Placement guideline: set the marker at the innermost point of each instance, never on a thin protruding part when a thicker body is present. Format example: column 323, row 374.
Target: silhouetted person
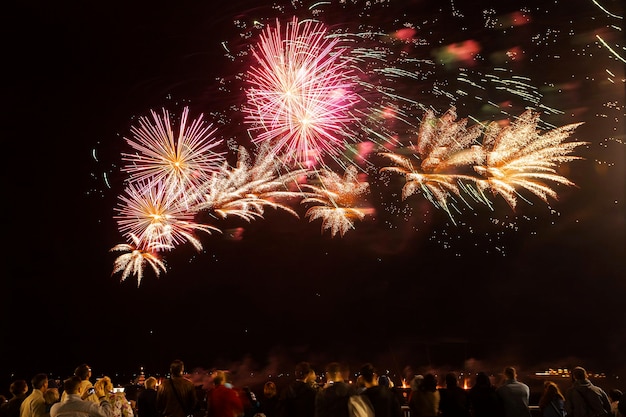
column 146, row 399
column 268, row 403
column 454, row 400
column 552, row 401
column 384, row 381
column 222, row 400
column 51, row 397
column 424, row 401
column 484, row 402
column 35, row 405
column 514, row 395
column 383, row 400
column 19, row 390
column 83, row 371
column 176, row 396
column 298, row 398
column 251, row 403
column 585, row 399
column 332, row 399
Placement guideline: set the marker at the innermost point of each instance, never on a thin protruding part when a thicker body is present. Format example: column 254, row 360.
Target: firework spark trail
column 615, row 53
column 180, row 161
column 444, row 147
column 156, row 217
column 245, row 190
column 507, row 159
column 606, row 11
column 518, row 156
column 300, row 93
column 134, row 261
column 336, row 200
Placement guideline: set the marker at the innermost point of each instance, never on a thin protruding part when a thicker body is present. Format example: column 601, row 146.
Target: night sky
column 540, row 286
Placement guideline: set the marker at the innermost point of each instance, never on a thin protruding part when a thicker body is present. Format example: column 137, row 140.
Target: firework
column 179, row 160
column 316, row 91
column 300, row 93
column 518, row 156
column 447, row 157
column 245, row 190
column 157, row 218
column 336, row 200
column 439, row 160
column 134, row 261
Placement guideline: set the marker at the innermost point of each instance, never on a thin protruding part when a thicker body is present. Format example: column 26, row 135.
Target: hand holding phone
column 87, row 393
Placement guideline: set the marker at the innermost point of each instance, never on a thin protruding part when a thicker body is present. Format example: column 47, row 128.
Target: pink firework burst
column 178, row 159
column 301, row 92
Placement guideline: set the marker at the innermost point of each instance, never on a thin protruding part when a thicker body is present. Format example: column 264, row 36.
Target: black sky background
column 436, row 296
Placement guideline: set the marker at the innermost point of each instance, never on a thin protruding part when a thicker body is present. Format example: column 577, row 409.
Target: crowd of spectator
column 372, row 395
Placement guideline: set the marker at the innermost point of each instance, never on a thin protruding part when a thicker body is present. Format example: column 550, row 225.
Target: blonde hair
column 105, row 383
column 51, row 396
column 150, row 382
